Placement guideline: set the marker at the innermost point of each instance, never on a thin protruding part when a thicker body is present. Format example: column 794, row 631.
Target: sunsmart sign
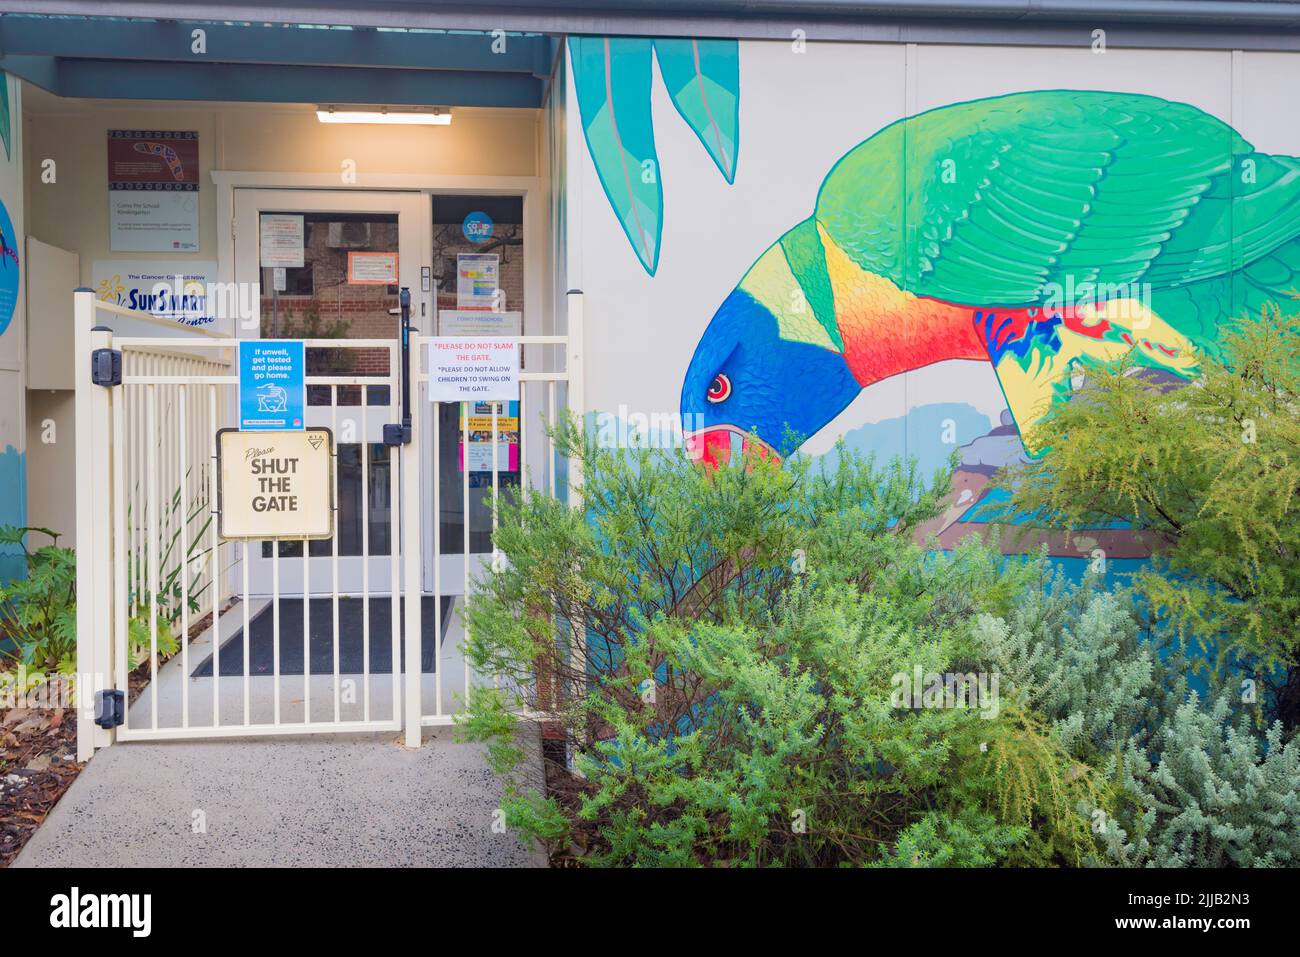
column 272, row 388
column 275, row 485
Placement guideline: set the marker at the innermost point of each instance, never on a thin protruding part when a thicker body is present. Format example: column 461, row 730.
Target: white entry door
column 329, row 264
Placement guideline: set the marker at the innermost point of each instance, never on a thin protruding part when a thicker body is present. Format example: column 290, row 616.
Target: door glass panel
column 491, row 226
column 338, row 292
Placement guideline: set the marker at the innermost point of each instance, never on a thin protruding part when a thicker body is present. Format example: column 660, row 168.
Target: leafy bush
column 38, row 620
column 1211, row 475
column 725, row 650
column 1194, row 785
column 38, row 613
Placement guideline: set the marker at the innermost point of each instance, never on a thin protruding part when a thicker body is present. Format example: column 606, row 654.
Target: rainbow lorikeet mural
column 1045, row 233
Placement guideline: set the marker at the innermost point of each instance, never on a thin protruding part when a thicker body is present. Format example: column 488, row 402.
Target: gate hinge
column 106, row 367
column 110, row 708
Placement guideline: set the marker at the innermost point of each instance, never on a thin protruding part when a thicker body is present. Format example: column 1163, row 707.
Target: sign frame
column 499, row 390
column 332, row 472
column 293, row 392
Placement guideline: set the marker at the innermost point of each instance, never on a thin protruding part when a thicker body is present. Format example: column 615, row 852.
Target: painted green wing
column 612, row 78
column 991, row 201
column 703, row 79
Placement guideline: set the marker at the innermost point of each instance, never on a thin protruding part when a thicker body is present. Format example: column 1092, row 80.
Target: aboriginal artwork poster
column 153, row 191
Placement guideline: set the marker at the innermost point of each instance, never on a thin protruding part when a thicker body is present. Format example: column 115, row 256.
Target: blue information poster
column 272, row 391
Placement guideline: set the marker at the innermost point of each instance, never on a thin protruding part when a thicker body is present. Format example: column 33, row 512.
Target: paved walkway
column 340, row 801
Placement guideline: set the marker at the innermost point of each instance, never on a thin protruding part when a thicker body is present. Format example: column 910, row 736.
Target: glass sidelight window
column 491, row 229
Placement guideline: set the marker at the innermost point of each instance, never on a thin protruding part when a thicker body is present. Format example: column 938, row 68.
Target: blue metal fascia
column 263, row 83
column 281, row 44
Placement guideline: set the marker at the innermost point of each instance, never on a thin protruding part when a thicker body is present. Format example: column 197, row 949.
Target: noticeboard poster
column 281, row 240
column 477, row 455
column 473, row 369
column 153, row 191
column 477, row 281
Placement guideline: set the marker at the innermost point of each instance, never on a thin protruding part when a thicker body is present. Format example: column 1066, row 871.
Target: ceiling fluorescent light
column 409, row 118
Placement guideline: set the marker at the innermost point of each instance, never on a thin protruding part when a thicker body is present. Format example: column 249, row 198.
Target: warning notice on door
column 480, row 369
column 275, row 484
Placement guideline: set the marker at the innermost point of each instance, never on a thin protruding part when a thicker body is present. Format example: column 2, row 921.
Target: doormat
column 261, row 645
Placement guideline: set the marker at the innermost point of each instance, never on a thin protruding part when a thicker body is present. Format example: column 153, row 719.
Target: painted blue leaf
column 612, row 78
column 4, row 111
column 703, row 79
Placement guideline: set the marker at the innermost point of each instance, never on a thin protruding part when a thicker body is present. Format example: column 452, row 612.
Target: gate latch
column 110, row 708
column 106, row 367
column 397, row 433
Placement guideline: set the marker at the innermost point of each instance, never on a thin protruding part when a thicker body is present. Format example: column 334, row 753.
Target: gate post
column 412, row 572
column 94, row 527
column 573, row 365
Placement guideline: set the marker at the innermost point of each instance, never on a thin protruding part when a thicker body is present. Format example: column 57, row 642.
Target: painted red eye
column 720, row 388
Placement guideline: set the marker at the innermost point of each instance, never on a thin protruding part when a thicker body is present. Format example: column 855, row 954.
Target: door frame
column 356, row 575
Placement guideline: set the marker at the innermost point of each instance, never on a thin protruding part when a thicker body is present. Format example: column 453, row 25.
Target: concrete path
column 333, row 801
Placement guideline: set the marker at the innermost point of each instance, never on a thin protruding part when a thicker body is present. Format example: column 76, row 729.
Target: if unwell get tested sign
column 473, row 369
column 275, row 484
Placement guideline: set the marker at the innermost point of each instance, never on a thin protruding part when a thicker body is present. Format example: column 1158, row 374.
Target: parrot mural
column 1046, row 233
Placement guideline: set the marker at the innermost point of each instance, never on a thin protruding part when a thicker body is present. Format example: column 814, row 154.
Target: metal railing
column 150, row 558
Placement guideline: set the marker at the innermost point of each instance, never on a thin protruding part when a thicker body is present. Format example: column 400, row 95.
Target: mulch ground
column 38, row 761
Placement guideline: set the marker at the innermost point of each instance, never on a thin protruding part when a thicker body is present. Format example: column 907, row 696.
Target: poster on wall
column 153, row 191
column 478, row 429
column 477, row 280
column 176, row 292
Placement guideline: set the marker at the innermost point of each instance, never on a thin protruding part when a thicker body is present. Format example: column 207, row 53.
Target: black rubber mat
column 261, row 644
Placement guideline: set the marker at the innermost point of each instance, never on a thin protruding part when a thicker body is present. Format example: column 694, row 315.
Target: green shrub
column 1210, row 474
column 38, row 619
column 38, row 613
column 1193, row 785
column 726, row 659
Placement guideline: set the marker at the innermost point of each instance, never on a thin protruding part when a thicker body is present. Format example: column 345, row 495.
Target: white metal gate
column 151, row 565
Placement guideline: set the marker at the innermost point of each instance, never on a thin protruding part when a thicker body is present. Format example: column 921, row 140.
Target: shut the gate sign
column 275, row 484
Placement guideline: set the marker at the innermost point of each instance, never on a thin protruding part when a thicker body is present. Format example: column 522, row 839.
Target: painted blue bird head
column 745, row 380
